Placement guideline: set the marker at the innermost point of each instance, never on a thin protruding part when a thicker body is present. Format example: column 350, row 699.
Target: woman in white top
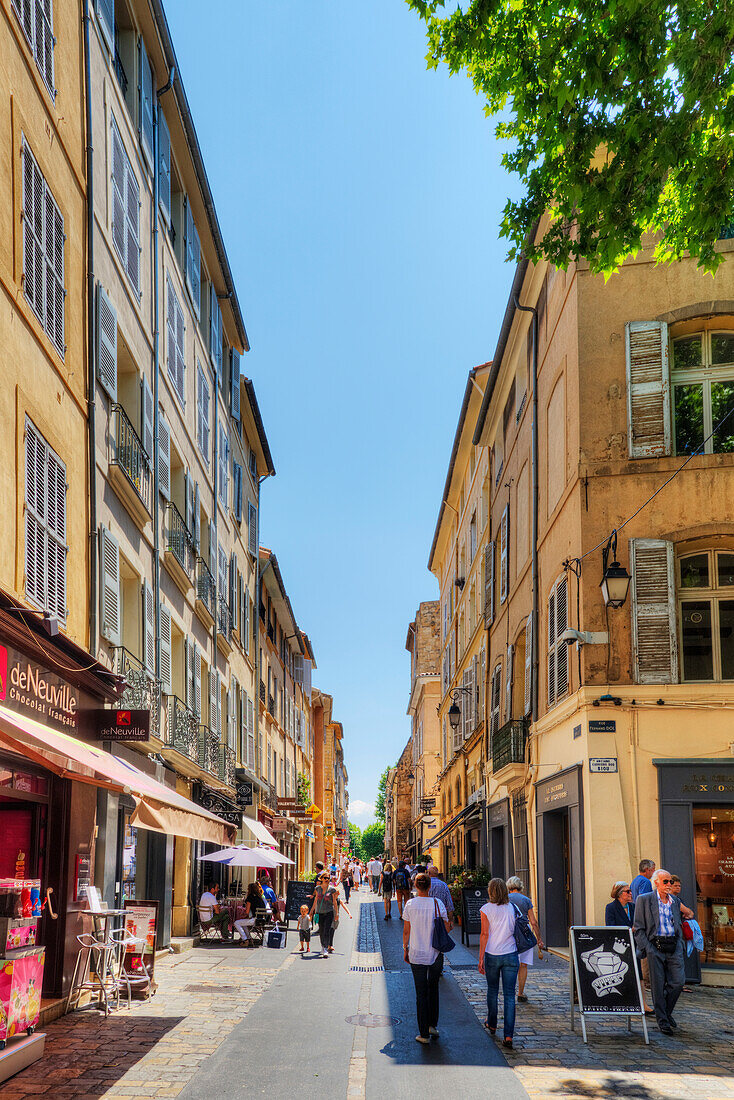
column 426, row 963
column 498, row 956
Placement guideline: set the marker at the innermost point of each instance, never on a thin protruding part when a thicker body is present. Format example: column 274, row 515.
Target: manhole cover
column 366, row 1019
column 201, row 987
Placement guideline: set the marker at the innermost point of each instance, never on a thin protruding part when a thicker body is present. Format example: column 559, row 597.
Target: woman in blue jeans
column 498, row 956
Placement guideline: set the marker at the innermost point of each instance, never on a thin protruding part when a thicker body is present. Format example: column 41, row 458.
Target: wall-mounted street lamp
column 712, row 837
column 615, row 581
column 454, row 709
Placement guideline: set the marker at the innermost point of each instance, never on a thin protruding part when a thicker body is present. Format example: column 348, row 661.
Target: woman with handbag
column 426, row 962
column 525, row 905
column 498, row 956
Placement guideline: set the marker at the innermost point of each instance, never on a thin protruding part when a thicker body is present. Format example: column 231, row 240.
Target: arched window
column 706, row 614
column 702, row 378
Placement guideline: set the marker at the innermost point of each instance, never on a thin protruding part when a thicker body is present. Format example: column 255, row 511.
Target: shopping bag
column 440, row 940
column 276, row 937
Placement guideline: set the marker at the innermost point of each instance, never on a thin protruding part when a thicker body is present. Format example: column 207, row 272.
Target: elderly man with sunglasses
column 657, row 927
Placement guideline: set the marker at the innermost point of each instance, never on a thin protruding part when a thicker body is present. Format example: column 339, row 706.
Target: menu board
column 472, row 900
column 298, row 894
column 141, row 920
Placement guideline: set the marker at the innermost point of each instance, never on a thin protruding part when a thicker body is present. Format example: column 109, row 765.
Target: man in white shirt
column 210, row 911
column 426, row 963
column 375, row 874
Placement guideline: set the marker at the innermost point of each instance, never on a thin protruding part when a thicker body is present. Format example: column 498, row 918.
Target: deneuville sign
column 118, row 725
column 30, row 689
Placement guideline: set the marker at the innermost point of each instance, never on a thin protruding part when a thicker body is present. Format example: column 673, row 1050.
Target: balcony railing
column 205, row 588
column 227, row 764
column 224, row 619
column 208, row 750
column 271, row 633
column 120, row 72
column 183, row 728
column 262, row 693
column 178, row 539
column 143, row 691
column 508, row 744
column 130, row 455
column 271, row 705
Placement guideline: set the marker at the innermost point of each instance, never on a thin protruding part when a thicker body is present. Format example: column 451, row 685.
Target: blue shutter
column 164, row 165
column 235, row 385
column 145, row 94
column 106, row 19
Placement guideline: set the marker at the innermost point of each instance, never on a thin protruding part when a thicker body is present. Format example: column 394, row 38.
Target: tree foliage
column 373, row 840
column 618, row 116
column 380, row 800
column 355, row 840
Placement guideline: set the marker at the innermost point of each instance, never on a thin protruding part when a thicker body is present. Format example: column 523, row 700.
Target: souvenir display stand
column 21, row 975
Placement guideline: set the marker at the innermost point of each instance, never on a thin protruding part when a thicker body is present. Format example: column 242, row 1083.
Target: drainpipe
column 91, row 345
column 256, row 613
column 534, row 490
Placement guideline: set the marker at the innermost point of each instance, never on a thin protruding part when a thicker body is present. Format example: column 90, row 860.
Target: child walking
column 304, row 929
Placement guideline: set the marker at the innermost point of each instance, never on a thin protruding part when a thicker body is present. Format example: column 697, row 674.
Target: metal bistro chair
column 140, row 981
column 100, row 956
column 263, row 921
column 207, row 929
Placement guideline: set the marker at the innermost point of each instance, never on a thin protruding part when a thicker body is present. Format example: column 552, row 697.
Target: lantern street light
column 454, row 709
column 615, row 581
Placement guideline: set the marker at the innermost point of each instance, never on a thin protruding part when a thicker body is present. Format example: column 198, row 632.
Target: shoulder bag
column 523, row 933
column 440, row 940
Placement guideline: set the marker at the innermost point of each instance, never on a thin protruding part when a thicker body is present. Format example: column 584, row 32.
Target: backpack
column 401, row 880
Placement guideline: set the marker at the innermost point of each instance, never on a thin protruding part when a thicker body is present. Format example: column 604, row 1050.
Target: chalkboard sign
column 605, row 971
column 298, row 894
column 472, row 900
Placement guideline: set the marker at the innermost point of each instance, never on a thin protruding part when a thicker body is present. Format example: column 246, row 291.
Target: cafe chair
column 140, row 981
column 263, row 921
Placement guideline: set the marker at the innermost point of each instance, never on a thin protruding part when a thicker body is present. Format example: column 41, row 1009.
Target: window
column 192, row 250
column 36, row 19
column 175, row 331
column 43, row 251
column 702, row 377
column 223, row 463
column 202, row 412
column 125, row 210
column 557, row 649
column 45, row 524
column 706, row 615
column 473, row 537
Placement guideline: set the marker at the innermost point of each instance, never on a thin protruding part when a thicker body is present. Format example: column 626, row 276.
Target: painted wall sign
column 603, row 725
column 602, row 763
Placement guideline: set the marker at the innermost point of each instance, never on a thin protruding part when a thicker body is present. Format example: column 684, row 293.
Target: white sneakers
column 420, row 1039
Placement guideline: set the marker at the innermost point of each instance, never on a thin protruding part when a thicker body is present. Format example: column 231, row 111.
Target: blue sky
column 359, row 196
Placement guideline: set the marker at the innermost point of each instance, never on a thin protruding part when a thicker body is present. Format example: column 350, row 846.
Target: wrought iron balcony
column 143, row 691
column 178, row 540
column 262, row 693
column 227, row 765
column 224, row 619
column 271, row 705
column 130, row 455
column 205, row 587
column 508, row 744
column 183, row 728
column 271, row 633
column 120, row 72
column 208, row 750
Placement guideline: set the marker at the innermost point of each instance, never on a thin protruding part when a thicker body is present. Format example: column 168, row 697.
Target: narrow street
column 230, row 1022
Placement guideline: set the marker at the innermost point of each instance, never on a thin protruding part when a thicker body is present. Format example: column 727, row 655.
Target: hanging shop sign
column 221, row 806
column 244, row 793
column 280, row 824
column 117, row 725
column 29, row 689
column 604, row 974
column 602, row 763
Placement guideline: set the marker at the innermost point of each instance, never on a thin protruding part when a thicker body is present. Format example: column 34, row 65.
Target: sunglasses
column 666, row 881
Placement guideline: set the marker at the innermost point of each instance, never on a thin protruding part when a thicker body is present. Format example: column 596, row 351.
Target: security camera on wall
column 584, row 637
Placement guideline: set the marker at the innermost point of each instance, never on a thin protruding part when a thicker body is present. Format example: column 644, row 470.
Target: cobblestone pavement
column 553, row 1062
column 154, row 1049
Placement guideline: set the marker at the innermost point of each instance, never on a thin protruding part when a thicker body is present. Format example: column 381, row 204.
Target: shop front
column 499, row 839
column 696, row 801
column 560, row 846
column 475, row 832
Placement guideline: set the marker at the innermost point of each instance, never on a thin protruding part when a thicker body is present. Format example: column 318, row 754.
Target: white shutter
column 193, row 259
column 33, row 247
column 234, row 391
column 552, row 648
column 215, row 330
column 175, row 337
column 197, row 681
column 212, row 549
column 561, row 647
column 164, row 458
column 54, row 225
column 489, row 583
column 164, row 165
column 242, row 727
column 132, row 207
column 119, row 172
column 197, row 519
column 465, row 706
column 469, row 701
column 231, row 704
column 106, row 20
column 505, row 554
column 145, row 92
column 232, row 593
column 35, row 497
column 648, row 389
column 189, row 670
column 495, row 695
column 508, row 683
column 148, row 628
column 252, row 529
column 55, row 535
column 528, row 664
column 212, row 700
column 202, row 412
column 106, row 343
column 250, row 733
column 654, row 637
column 245, row 632
column 166, row 659
column 219, row 705
column 45, row 42
column 148, row 420
column 109, row 552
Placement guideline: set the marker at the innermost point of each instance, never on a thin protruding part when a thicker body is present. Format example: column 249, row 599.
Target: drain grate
column 202, row 987
column 368, row 969
column 366, row 1019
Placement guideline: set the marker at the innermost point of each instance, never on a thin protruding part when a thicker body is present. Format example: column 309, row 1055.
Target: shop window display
column 713, row 834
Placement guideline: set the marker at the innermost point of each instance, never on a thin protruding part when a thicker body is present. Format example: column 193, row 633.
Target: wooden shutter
column 234, row 390
column 654, row 637
column 164, row 165
column 109, row 552
column 148, row 407
column 648, row 389
column 197, row 681
column 148, row 628
column 252, row 529
column 197, row 519
column 55, row 535
column 35, row 499
column 505, row 554
column 106, row 20
column 193, row 259
column 145, row 93
column 164, row 458
column 106, row 343
column 528, row 664
column 489, row 583
column 552, row 648
column 561, row 647
column 119, row 172
column 508, row 683
column 166, row 656
column 132, row 208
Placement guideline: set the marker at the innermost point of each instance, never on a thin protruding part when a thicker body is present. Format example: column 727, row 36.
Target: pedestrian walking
column 440, row 890
column 402, row 886
column 304, row 929
column 657, row 926
column 522, row 902
column 641, row 884
column 356, row 875
column 346, row 881
column 498, row 958
column 419, row 914
column 325, row 903
column 386, row 886
column 375, row 874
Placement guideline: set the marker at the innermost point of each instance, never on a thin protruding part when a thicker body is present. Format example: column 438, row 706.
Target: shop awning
column 452, row 824
column 157, row 807
column 259, row 831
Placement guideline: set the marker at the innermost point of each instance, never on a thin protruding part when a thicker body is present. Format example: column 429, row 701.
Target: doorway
column 557, row 848
column 497, row 852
